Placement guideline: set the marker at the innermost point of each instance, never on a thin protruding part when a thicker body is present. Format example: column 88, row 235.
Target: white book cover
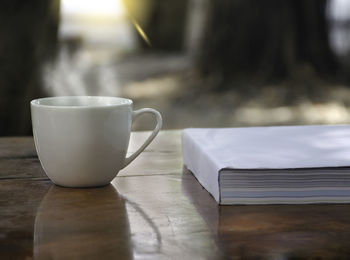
column 209, row 151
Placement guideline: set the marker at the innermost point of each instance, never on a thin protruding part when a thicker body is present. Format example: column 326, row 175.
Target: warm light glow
column 98, row 23
column 93, row 8
column 141, row 32
column 104, row 22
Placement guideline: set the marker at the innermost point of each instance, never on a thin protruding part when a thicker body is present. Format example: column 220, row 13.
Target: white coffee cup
column 82, row 141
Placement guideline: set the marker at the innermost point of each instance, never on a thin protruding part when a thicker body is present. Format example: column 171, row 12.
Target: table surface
column 154, row 209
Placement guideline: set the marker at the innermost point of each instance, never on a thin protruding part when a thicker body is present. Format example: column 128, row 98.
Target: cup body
column 81, row 141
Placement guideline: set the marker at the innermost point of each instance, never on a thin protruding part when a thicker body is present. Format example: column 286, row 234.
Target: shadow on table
column 273, row 231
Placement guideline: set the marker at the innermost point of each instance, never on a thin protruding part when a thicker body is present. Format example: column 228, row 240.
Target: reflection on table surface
column 84, row 223
column 273, row 231
column 154, row 209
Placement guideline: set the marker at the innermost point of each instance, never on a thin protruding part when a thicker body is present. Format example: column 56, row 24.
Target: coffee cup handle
column 158, row 117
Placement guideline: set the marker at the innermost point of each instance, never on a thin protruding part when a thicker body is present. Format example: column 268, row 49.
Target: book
column 240, row 226
column 271, row 165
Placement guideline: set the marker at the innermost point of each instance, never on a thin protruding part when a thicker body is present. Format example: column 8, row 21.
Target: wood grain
column 154, row 209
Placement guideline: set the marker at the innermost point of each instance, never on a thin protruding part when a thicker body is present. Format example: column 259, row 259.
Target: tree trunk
column 29, row 38
column 265, row 39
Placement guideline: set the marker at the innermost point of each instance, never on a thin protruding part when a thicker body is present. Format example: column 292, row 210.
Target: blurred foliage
column 242, row 47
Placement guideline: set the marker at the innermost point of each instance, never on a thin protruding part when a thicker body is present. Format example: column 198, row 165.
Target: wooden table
column 154, row 209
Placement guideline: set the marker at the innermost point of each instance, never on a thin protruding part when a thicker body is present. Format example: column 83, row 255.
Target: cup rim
column 42, row 102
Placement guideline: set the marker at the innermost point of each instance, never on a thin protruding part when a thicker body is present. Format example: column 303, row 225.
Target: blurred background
column 201, row 63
